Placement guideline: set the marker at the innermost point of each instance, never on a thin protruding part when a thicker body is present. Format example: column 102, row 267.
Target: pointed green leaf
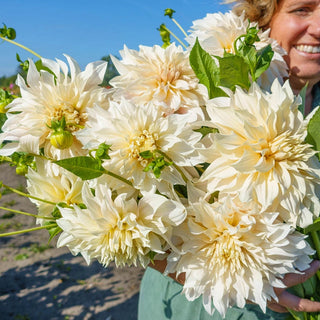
column 265, row 56
column 206, row 70
column 84, row 167
column 234, row 71
column 313, row 136
column 205, row 130
column 303, row 94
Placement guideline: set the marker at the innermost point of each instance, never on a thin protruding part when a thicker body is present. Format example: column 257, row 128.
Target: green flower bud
column 169, row 12
column 22, row 170
column 61, row 139
column 3, row 107
column 11, row 34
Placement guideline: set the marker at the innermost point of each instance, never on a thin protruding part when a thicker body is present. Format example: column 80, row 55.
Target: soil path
column 41, row 282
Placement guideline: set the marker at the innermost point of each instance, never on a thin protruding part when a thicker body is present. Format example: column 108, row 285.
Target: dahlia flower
column 217, row 33
column 119, row 230
column 262, row 154
column 52, row 183
column 48, row 97
column 161, row 76
column 130, row 130
column 235, row 253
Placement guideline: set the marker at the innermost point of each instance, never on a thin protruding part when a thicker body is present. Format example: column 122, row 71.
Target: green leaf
column 234, row 71
column 146, row 154
column 3, row 119
column 296, row 315
column 40, row 66
column 102, row 151
column 53, row 229
column 303, row 94
column 206, row 70
column 310, row 286
column 313, row 227
column 151, row 255
column 265, row 56
column 206, row 130
column 84, row 167
column 313, row 136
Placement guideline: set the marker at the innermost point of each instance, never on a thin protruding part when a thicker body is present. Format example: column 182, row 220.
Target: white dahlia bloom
column 235, row 253
column 217, row 33
column 161, row 76
column 53, row 184
column 119, row 230
column 130, row 130
column 261, row 152
column 48, row 97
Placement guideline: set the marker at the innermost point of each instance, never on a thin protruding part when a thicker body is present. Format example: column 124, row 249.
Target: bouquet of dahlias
column 201, row 156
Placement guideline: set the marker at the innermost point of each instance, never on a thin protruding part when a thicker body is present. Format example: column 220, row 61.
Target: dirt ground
column 41, row 282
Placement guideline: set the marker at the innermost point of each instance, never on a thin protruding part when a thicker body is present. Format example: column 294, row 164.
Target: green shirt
column 161, row 299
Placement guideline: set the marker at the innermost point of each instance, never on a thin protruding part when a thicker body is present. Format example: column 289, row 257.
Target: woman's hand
column 290, row 301
column 286, row 300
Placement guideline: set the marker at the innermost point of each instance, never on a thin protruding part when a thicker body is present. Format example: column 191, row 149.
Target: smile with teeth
column 308, row 48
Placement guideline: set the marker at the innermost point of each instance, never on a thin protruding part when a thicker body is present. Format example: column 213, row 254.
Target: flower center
column 169, row 74
column 283, row 147
column 75, row 119
column 225, row 251
column 227, row 45
column 145, row 141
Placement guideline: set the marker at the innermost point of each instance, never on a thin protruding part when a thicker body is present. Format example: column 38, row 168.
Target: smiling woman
column 295, row 25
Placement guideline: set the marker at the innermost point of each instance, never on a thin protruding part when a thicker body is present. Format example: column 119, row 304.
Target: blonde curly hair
column 260, row 11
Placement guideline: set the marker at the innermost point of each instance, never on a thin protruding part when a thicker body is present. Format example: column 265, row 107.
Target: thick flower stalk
column 53, row 184
column 161, row 76
column 236, row 253
column 261, row 153
column 121, row 230
column 217, row 33
column 132, row 130
column 53, row 106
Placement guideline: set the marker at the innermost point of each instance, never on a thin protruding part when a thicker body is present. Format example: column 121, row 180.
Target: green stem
column 175, row 166
column 118, row 177
column 27, row 214
column 316, row 242
column 27, row 195
column 24, row 231
column 21, row 46
column 41, row 156
column 176, row 37
column 179, row 26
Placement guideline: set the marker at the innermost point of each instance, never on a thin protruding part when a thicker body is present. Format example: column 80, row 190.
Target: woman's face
column 296, row 27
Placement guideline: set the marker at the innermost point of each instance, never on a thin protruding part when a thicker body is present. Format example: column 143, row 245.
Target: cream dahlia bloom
column 47, row 97
column 130, row 130
column 235, row 253
column 55, row 184
column 261, row 154
column 217, row 33
column 119, row 230
column 161, row 76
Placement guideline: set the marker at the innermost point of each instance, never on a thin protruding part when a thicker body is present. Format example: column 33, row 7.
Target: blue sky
column 88, row 30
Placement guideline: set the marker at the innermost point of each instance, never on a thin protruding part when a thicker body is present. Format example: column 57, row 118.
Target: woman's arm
column 288, row 300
